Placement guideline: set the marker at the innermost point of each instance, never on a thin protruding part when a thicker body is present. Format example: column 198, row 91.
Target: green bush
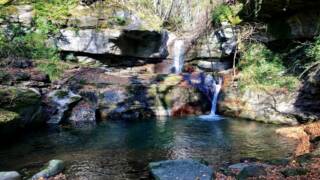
column 313, row 51
column 226, row 13
column 261, row 68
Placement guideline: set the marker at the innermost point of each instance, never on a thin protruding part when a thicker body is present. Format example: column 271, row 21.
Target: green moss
column 226, row 13
column 8, row 116
column 15, row 99
column 61, row 94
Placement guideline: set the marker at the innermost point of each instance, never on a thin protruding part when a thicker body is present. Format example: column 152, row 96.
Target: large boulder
column 270, row 107
column 58, row 102
column 83, row 114
column 180, row 170
column 23, row 101
column 143, row 44
column 53, row 168
column 143, row 96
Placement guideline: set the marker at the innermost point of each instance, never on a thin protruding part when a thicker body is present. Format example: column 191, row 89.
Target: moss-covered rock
column 7, row 116
column 9, row 121
column 24, row 102
column 294, row 172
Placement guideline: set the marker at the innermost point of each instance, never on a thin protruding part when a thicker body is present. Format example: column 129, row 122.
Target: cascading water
column 216, row 91
column 179, row 55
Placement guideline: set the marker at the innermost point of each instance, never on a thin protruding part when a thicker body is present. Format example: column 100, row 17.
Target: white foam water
column 213, row 116
column 179, row 53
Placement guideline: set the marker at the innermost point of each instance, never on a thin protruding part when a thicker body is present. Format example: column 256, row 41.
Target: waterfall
column 178, row 58
column 216, row 88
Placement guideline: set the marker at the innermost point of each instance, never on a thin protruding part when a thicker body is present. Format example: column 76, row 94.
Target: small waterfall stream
column 179, row 55
column 216, row 88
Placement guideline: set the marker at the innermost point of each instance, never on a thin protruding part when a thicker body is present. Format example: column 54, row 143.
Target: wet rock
column 140, row 97
column 251, row 171
column 180, row 169
column 10, row 175
column 84, row 113
column 59, row 102
column 54, row 167
column 294, row 172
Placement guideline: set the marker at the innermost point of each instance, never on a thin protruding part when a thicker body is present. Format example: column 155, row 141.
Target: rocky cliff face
column 294, row 19
column 125, row 97
column 277, row 106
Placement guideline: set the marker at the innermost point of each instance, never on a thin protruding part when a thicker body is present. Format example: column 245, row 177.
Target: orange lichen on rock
column 303, row 134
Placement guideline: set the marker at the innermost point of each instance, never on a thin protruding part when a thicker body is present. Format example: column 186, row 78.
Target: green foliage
column 19, row 43
column 54, row 68
column 302, row 56
column 263, row 69
column 118, row 20
column 226, row 13
column 314, row 50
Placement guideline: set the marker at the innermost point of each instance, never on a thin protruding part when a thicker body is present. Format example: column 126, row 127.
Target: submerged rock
column 54, row 167
column 10, row 175
column 180, row 170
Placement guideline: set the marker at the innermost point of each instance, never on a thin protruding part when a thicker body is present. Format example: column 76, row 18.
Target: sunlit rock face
column 20, row 15
column 277, row 108
column 142, row 44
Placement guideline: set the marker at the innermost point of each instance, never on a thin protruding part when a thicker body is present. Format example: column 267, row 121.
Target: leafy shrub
column 227, row 13
column 261, row 68
column 314, row 50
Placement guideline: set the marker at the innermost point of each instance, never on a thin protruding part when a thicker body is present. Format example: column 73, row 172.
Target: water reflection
column 122, row 150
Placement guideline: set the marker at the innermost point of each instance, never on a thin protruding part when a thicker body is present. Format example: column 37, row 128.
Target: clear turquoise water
column 122, row 150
